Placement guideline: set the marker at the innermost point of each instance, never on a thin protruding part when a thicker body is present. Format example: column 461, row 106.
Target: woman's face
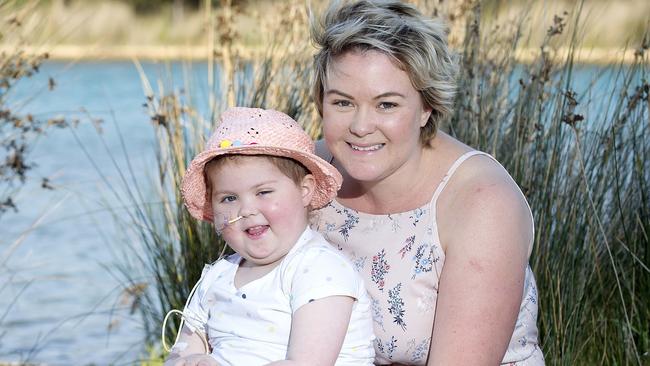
column 372, row 116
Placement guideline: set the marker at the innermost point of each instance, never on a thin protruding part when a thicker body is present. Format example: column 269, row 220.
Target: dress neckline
column 434, row 197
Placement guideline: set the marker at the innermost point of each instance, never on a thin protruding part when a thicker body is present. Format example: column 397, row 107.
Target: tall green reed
column 175, row 246
column 580, row 157
column 585, row 174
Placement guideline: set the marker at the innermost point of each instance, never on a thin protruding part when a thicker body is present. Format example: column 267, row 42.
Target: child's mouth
column 256, row 231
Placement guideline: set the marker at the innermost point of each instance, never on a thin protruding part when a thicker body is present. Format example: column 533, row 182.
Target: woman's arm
column 486, row 229
column 318, row 329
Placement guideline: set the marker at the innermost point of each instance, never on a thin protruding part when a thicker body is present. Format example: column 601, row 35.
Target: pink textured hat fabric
column 254, row 131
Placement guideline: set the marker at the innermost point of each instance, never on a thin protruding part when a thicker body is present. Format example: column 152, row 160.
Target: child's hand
column 192, row 360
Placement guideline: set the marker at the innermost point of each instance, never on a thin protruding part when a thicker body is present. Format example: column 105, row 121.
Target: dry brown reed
column 18, row 129
column 585, row 174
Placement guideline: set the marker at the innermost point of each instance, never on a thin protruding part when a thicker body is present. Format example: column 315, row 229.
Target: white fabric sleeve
column 321, row 272
column 195, row 314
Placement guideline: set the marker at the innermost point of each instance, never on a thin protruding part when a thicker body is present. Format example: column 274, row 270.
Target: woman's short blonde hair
column 417, row 44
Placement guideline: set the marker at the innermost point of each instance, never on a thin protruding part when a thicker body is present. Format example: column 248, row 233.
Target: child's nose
column 248, row 209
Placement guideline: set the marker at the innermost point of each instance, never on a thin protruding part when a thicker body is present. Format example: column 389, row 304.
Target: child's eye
column 226, row 199
column 387, row 105
column 264, row 192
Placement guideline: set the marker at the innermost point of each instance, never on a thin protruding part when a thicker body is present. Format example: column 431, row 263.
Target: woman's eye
column 387, row 105
column 227, row 199
column 342, row 103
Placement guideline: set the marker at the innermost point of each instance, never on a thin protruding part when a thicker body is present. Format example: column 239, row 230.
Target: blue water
column 59, row 292
column 62, row 297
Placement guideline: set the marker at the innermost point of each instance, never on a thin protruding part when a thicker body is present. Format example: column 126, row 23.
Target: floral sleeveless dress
column 400, row 258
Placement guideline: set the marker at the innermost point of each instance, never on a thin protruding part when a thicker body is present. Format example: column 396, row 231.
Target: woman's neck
column 407, row 189
column 403, row 190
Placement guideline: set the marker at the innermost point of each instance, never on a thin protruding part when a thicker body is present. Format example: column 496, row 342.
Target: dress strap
column 454, row 167
column 452, row 170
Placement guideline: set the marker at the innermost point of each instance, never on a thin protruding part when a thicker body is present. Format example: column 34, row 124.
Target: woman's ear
column 424, row 117
column 307, row 186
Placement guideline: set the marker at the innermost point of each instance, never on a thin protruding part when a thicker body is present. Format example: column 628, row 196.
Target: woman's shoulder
column 484, row 196
column 479, row 174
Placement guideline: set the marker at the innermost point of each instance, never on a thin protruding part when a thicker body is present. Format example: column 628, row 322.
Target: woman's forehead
column 371, row 71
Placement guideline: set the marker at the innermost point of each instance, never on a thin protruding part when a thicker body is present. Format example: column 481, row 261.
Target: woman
column 440, row 232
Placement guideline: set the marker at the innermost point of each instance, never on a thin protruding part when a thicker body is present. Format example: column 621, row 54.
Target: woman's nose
column 362, row 124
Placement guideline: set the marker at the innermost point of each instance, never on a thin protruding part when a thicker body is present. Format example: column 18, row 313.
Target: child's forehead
column 243, row 172
column 237, row 160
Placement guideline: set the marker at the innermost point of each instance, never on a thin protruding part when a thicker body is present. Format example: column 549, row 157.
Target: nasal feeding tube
column 221, row 221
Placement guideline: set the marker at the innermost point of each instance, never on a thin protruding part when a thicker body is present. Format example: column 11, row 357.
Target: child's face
column 273, row 206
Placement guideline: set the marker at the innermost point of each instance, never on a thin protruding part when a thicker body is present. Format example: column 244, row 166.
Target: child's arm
column 188, row 349
column 318, row 329
column 193, row 360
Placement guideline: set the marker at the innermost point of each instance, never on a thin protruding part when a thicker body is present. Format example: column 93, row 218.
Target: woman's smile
column 365, row 148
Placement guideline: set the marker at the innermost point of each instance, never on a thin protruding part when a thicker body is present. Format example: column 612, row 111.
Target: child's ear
column 308, row 186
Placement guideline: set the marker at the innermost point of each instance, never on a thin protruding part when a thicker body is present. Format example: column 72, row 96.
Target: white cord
column 180, row 327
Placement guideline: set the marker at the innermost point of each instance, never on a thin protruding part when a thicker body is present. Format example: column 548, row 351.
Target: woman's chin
column 365, row 174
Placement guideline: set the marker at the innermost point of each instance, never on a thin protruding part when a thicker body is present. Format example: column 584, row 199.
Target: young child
column 287, row 297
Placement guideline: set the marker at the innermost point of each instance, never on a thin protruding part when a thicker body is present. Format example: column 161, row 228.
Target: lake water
column 60, row 300
column 58, row 289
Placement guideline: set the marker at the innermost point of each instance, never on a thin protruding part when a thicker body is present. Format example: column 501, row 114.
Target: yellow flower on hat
column 224, row 144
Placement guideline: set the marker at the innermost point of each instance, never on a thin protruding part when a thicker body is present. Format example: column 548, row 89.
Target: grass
column 585, row 176
column 579, row 155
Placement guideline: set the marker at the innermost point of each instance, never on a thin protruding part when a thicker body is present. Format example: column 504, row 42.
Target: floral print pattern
column 420, row 351
column 377, row 315
column 387, row 347
column 396, row 307
column 408, row 244
column 359, row 263
column 351, row 220
column 379, row 269
column 417, row 215
column 423, row 264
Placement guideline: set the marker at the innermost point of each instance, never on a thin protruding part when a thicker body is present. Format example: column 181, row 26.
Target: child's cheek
column 274, row 209
column 280, row 212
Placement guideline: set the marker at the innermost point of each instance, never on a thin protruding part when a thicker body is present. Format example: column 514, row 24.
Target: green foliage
column 176, row 246
column 586, row 178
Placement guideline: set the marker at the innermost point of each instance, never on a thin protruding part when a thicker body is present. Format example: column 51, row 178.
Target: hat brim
column 194, row 191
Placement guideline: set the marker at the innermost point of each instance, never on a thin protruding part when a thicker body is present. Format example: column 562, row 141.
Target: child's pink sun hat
column 254, row 131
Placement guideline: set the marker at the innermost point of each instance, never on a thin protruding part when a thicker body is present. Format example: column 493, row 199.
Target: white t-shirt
column 251, row 325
